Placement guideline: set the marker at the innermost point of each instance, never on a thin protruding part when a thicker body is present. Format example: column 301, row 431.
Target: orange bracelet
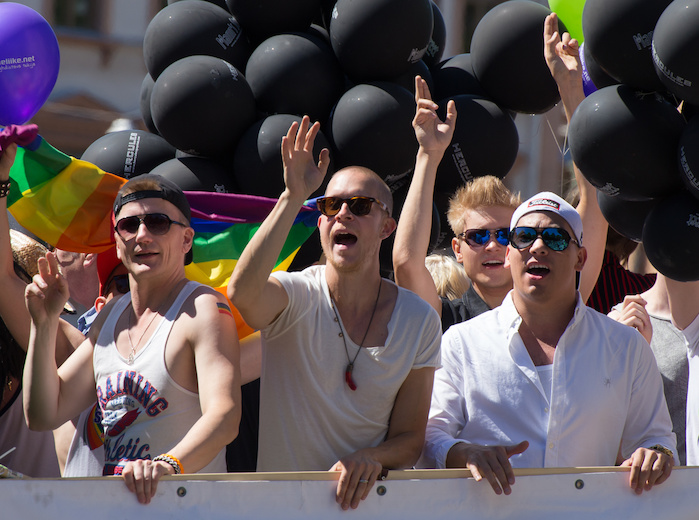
column 173, row 461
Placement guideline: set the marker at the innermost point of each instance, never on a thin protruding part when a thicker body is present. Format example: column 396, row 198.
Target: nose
column 344, row 211
column 538, row 246
column 492, row 242
column 142, row 232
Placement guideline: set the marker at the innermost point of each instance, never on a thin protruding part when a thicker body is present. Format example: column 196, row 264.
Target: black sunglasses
column 121, row 284
column 480, row 237
column 360, row 206
column 156, row 223
column 556, row 239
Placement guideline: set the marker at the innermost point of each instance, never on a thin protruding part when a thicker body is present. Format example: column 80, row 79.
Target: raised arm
column 259, row 298
column 563, row 59
column 414, row 226
column 53, row 396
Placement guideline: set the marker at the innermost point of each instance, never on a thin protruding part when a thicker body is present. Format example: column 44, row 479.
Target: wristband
column 662, row 449
column 5, row 188
column 169, row 459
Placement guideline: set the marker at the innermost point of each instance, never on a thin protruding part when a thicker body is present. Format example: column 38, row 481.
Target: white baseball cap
column 548, row 201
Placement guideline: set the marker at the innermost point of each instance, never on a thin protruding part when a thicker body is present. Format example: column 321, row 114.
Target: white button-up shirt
column 606, row 392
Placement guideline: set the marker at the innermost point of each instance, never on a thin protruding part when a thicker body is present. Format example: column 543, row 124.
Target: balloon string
column 563, row 150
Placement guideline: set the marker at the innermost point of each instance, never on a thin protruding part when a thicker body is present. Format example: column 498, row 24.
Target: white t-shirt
column 691, row 334
column 309, row 417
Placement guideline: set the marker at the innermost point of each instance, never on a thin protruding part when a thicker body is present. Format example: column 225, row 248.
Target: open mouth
column 493, row 263
column 538, row 270
column 344, row 239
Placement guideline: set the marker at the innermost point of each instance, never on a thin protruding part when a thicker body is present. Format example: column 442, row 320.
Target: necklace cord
column 350, row 363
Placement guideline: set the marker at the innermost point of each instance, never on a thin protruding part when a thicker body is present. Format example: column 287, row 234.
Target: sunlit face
column 540, row 272
column 348, row 240
column 485, row 265
column 147, row 251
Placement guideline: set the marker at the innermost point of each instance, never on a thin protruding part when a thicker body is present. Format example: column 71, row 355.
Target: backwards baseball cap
column 547, row 201
column 162, row 189
column 153, row 186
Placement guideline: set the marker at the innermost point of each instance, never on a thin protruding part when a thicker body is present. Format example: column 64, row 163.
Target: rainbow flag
column 68, row 202
column 62, row 200
column 224, row 223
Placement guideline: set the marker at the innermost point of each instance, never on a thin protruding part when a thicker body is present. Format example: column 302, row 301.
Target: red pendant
column 348, row 377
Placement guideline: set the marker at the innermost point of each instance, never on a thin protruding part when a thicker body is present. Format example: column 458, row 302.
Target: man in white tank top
column 162, row 361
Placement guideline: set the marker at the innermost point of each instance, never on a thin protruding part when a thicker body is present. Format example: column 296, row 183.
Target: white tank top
column 144, row 411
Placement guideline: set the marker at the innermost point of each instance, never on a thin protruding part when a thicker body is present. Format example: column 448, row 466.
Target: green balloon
column 570, row 13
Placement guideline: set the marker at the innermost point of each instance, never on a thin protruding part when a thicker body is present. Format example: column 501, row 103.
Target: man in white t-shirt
column 349, row 357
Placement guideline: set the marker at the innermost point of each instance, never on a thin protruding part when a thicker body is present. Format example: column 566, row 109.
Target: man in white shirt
column 543, row 380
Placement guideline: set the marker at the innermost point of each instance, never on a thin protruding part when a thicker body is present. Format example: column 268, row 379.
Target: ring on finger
column 363, row 481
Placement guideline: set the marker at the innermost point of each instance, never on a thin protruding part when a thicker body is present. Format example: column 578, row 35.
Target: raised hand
column 433, row 135
column 301, row 173
column 48, row 292
column 563, row 59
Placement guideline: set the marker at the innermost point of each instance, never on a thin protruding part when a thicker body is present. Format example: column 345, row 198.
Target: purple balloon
column 29, row 62
column 588, row 86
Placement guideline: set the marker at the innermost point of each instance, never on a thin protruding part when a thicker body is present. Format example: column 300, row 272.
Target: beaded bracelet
column 5, row 188
column 173, row 461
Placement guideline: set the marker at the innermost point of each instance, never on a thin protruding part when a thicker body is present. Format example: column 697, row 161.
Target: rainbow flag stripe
column 64, row 201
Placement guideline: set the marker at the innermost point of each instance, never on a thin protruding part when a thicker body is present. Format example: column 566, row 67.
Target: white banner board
column 593, row 493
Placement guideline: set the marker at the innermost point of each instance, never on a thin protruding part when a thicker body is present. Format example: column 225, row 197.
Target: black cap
column 168, row 191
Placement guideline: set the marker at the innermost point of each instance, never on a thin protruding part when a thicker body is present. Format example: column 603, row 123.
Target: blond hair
column 449, row 276
column 480, row 192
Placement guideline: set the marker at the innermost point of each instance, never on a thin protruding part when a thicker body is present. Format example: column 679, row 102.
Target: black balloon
column 626, row 217
column 295, row 74
column 198, row 174
column 407, row 79
column 455, row 77
column 258, row 160
column 485, row 142
column 193, row 27
column 371, row 126
column 688, row 156
column 264, row 18
column 379, row 39
column 507, row 53
column 435, row 49
column 675, row 44
column 144, row 103
column 599, row 78
column 220, row 3
column 671, row 237
column 625, row 142
column 202, row 105
column 128, row 153
column 619, row 35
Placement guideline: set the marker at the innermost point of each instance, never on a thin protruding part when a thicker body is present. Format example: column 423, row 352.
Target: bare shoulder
column 206, row 310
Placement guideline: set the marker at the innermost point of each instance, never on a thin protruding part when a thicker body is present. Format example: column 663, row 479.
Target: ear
column 456, row 247
column 188, row 239
column 89, row 259
column 506, row 265
column 100, row 302
column 582, row 258
column 388, row 227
